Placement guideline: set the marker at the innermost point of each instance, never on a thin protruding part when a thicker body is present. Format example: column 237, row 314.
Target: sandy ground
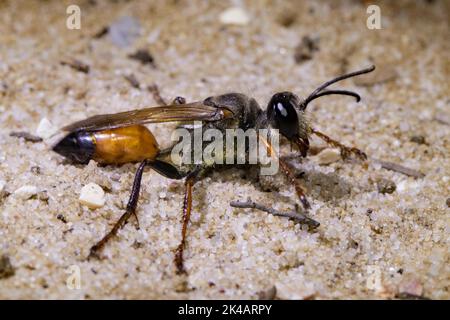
column 369, row 244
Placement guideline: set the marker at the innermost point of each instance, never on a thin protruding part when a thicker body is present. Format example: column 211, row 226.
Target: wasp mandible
column 122, row 137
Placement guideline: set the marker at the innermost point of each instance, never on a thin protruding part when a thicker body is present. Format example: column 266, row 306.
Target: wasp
column 119, row 138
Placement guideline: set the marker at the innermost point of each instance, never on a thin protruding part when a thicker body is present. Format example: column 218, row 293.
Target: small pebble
column 305, row 49
column 328, row 156
column 386, row 186
column 124, row 31
column 143, row 56
column 418, row 139
column 448, row 202
column 411, row 285
column 43, row 195
column 269, row 294
column 26, row 192
column 45, row 129
column 234, row 16
column 6, row 268
column 162, row 195
column 2, row 185
column 92, row 196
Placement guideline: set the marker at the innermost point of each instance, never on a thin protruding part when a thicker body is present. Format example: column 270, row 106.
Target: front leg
column 289, row 174
column 345, row 151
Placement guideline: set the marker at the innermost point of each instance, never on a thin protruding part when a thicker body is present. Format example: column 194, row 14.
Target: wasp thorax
column 282, row 114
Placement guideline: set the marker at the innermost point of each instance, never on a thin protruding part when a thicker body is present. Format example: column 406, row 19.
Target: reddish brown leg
column 287, row 171
column 131, row 210
column 298, row 188
column 187, row 207
column 345, row 151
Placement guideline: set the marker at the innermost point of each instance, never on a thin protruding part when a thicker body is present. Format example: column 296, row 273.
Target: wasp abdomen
column 112, row 146
column 126, row 144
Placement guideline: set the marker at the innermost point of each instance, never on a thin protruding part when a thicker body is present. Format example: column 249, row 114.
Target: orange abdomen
column 126, row 144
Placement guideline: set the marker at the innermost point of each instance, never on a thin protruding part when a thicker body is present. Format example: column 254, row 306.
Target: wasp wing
column 171, row 113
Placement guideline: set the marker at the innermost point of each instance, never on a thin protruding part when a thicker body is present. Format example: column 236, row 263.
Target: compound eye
column 281, row 112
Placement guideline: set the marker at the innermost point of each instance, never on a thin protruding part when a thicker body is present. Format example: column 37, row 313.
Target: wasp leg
column 131, row 210
column 187, row 208
column 289, row 173
column 345, row 151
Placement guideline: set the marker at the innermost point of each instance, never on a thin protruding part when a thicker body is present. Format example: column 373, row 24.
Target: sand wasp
column 122, row 137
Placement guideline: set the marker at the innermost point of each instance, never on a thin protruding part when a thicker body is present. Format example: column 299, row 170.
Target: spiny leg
column 289, row 173
column 187, row 208
column 345, row 151
column 131, row 210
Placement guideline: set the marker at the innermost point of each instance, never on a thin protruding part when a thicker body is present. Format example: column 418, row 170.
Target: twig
column 399, row 168
column 269, row 294
column 77, row 65
column 410, row 296
column 154, row 90
column 442, row 118
column 102, row 32
column 301, row 218
column 143, row 56
column 27, row 136
column 131, row 78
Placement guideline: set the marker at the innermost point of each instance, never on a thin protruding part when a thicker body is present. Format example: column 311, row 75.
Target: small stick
column 77, row 65
column 410, row 296
column 154, row 90
column 301, row 218
column 27, row 136
column 399, row 168
column 442, row 119
column 131, row 78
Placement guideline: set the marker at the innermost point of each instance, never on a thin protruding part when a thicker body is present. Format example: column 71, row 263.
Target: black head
column 282, row 113
column 77, row 146
column 285, row 111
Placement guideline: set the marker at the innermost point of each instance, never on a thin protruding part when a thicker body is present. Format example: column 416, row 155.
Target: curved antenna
column 328, row 92
column 317, row 93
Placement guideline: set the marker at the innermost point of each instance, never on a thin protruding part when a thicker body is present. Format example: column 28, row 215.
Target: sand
column 373, row 241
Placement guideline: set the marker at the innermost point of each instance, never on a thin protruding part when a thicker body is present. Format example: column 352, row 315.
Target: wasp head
column 284, row 114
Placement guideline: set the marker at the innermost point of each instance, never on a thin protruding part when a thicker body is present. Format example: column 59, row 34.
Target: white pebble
column 92, row 196
column 234, row 15
column 328, row 156
column 2, row 185
column 45, row 129
column 26, row 192
column 162, row 195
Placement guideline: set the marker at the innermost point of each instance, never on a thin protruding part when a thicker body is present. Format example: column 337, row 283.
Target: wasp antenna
column 343, row 77
column 317, row 93
column 328, row 92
